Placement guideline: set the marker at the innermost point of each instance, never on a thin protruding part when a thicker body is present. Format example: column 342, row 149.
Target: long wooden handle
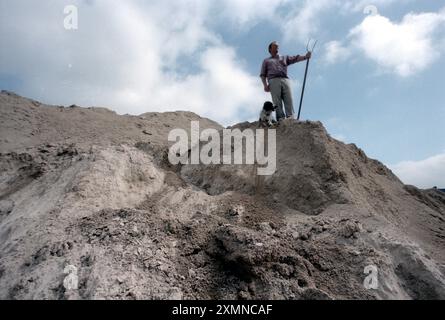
column 302, row 90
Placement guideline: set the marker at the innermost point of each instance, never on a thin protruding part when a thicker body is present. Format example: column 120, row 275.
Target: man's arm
column 263, row 76
column 266, row 86
column 298, row 58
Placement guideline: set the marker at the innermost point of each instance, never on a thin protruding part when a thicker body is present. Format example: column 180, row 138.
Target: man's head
column 273, row 48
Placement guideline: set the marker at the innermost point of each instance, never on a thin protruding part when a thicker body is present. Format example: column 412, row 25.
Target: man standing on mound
column 275, row 80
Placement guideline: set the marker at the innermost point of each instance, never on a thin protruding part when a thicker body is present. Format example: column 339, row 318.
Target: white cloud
column 127, row 55
column 404, row 48
column 247, row 13
column 335, row 52
column 304, row 19
column 302, row 23
column 219, row 91
column 360, row 5
column 424, row 173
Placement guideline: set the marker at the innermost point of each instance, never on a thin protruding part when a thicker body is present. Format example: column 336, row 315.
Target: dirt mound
column 313, row 172
column 90, row 195
column 26, row 123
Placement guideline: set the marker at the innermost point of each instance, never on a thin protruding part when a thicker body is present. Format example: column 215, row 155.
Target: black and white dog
column 266, row 118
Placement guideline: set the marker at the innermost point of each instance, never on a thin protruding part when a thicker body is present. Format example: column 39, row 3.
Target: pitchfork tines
column 311, row 45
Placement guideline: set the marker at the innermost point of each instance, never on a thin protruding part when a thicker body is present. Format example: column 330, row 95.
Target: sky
column 376, row 78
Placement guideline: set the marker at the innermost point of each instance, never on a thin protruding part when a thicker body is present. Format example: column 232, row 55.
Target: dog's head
column 269, row 107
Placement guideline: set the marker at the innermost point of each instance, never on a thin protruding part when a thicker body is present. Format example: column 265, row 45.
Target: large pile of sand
column 92, row 189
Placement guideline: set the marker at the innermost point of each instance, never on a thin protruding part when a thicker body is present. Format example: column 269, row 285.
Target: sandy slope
column 92, row 189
